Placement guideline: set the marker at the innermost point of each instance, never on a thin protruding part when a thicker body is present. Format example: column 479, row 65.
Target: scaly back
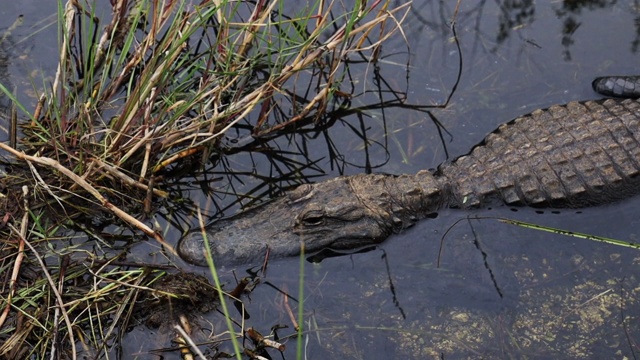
column 573, row 155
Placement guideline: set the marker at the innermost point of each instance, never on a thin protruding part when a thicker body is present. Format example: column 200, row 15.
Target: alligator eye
column 313, row 218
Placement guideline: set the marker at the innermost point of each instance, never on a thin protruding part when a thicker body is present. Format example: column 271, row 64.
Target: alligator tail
column 618, row 86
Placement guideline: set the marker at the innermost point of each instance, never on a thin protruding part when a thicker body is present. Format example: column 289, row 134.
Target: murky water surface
column 500, row 291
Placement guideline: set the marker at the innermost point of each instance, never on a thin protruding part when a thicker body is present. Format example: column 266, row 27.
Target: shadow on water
column 476, row 289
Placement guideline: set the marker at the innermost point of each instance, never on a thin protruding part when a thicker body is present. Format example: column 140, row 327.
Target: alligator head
column 341, row 213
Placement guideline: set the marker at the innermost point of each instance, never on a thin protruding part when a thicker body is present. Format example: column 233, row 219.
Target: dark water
column 500, row 291
column 27, row 48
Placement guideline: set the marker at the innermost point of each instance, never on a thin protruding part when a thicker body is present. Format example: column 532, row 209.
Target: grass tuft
column 133, row 103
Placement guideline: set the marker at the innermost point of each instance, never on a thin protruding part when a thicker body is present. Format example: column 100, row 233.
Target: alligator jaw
column 326, row 214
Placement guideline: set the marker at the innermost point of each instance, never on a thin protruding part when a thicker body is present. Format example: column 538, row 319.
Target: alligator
column 567, row 156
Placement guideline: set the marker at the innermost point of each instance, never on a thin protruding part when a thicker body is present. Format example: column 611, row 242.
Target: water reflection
column 570, row 12
column 8, row 53
column 514, row 15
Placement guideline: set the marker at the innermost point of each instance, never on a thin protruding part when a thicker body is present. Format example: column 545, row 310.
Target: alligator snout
column 324, row 215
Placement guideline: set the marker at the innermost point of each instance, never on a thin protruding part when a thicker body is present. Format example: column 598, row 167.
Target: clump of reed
column 154, row 89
